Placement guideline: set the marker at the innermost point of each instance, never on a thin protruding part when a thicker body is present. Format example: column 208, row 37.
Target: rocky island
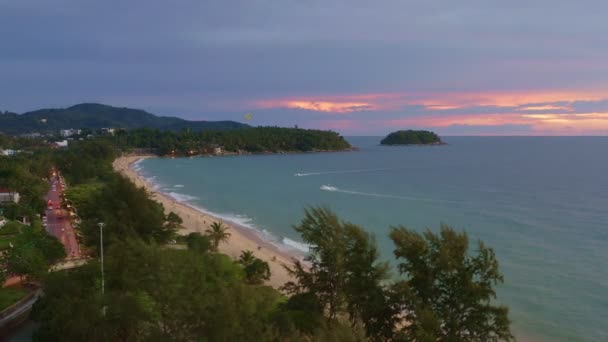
column 411, row 137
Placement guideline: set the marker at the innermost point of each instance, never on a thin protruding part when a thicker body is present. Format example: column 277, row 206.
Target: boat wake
column 299, row 174
column 372, row 194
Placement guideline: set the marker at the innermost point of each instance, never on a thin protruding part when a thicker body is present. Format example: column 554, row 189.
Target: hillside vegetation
column 97, row 116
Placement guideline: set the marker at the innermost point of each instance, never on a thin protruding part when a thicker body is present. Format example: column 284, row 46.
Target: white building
column 108, row 130
column 8, row 152
column 7, row 196
column 69, row 132
column 61, row 143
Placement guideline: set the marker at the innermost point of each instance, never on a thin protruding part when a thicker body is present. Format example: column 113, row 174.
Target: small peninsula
column 411, row 137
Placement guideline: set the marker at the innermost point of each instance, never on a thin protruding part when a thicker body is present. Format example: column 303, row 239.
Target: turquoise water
column 540, row 202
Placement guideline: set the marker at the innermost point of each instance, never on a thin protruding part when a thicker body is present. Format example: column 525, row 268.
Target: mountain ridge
column 96, row 116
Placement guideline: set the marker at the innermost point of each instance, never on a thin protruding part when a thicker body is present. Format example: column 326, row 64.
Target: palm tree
column 218, row 233
column 246, row 258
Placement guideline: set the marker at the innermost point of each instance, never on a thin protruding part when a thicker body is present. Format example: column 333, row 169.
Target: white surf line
column 345, row 171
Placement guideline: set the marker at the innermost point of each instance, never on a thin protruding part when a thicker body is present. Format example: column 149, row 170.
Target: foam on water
column 372, row 194
column 300, row 246
column 181, row 197
column 243, row 221
column 329, row 188
column 178, row 186
column 136, row 166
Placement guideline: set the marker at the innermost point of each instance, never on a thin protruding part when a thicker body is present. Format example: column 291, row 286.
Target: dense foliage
column 255, row 140
column 448, row 293
column 157, row 294
column 25, row 173
column 344, row 273
column 33, row 252
column 101, row 195
column 411, row 137
column 97, row 116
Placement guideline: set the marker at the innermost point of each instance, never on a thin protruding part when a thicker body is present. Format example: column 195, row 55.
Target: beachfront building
column 8, row 196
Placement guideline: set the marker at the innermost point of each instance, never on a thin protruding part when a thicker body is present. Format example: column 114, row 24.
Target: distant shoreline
column 195, row 220
column 242, row 153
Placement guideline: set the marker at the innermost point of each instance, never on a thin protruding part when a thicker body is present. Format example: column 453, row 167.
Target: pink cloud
column 534, row 100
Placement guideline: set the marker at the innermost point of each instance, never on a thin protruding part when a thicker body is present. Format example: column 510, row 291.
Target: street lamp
column 101, row 224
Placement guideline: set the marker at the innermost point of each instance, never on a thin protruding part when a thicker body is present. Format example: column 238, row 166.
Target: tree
column 447, row 294
column 246, row 258
column 218, row 233
column 27, row 260
column 33, row 252
column 256, row 270
column 173, row 221
column 345, row 274
column 198, row 243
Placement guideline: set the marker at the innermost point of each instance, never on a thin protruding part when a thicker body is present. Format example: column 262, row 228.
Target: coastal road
column 58, row 221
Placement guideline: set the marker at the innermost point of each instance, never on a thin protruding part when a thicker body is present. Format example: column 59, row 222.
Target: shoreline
column 195, row 220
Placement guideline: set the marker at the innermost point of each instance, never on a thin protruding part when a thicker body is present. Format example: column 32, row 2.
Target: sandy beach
column 195, row 221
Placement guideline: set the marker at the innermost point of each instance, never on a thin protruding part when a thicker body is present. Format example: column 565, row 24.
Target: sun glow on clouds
column 523, row 101
column 579, row 123
column 544, row 107
column 337, row 107
column 544, row 112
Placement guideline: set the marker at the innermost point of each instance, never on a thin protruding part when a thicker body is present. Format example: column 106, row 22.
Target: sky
column 357, row 67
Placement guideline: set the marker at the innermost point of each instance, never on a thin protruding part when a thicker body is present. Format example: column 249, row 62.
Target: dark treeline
column 253, row 140
column 411, row 137
column 444, row 290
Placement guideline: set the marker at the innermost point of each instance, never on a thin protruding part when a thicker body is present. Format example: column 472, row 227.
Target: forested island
column 411, row 137
column 235, row 141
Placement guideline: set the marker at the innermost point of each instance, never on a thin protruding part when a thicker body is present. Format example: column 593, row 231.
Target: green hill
column 96, row 116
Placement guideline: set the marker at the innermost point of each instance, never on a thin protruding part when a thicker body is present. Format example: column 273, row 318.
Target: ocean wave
column 242, row 221
column 181, row 197
column 247, row 222
column 301, row 174
column 178, row 186
column 137, row 165
column 300, row 246
column 156, row 186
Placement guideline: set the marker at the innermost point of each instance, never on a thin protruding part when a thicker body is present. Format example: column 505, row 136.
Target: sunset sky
column 358, row 67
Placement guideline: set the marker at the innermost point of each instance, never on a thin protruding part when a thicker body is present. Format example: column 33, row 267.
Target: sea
column 540, row 202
